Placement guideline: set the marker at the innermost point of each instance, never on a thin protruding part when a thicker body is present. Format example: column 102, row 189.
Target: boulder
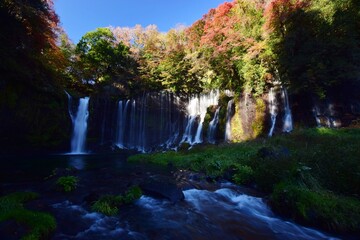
column 162, row 188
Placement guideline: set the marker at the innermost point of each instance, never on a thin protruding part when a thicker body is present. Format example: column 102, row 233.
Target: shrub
column 317, row 208
column 67, row 183
column 109, row 204
column 271, row 166
column 243, row 174
column 105, row 206
column 131, row 195
column 11, row 208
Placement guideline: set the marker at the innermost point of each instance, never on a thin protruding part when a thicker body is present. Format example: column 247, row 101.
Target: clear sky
column 80, row 16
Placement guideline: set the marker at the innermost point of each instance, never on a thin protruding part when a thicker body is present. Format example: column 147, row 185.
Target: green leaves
column 315, row 45
column 109, row 204
column 101, row 57
column 67, row 183
column 12, row 208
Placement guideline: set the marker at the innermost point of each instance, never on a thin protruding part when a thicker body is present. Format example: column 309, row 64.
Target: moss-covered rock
column 110, row 204
column 40, row 224
column 258, row 125
column 317, row 208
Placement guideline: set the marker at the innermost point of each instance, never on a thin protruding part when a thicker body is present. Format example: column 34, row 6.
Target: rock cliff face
column 158, row 121
column 40, row 121
column 33, row 119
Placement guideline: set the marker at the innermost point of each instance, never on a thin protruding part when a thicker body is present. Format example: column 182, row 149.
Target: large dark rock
column 162, row 188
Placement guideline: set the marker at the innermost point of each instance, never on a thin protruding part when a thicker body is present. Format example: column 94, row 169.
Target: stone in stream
column 162, row 188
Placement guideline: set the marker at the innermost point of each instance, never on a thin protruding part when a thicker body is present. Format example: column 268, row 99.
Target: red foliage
column 277, row 12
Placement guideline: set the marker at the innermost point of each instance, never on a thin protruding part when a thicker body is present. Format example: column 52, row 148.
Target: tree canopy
column 242, row 45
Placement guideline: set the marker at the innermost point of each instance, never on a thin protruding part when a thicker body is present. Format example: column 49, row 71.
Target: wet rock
column 162, row 188
column 91, row 198
column 12, row 230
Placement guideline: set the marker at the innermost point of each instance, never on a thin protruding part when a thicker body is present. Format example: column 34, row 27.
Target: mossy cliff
column 33, row 119
column 248, row 117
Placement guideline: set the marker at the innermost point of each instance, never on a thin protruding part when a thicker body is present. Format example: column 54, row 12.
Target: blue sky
column 80, row 16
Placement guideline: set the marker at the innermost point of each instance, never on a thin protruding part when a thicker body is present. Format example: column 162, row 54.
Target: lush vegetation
column 109, row 204
column 39, row 225
column 32, row 68
column 67, row 183
column 242, row 45
column 311, row 175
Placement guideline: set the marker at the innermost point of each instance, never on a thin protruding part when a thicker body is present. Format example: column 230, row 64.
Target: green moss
column 208, row 117
column 259, row 121
column 109, row 204
column 40, row 224
column 67, row 183
column 317, row 207
column 237, row 132
column 244, row 174
column 319, row 160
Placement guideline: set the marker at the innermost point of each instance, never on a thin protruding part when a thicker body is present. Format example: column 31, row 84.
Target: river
column 222, row 211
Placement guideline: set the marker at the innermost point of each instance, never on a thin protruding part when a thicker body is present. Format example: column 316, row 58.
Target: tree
column 28, row 40
column 314, row 43
column 102, row 59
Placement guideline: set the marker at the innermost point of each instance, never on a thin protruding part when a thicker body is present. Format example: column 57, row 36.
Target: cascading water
column 150, row 121
column 274, row 105
column 197, row 108
column 287, row 121
column 273, row 108
column 228, row 120
column 121, row 123
column 212, row 127
column 133, row 125
column 79, row 125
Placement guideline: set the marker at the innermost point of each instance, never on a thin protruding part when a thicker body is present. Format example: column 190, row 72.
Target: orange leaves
column 277, row 13
column 219, row 26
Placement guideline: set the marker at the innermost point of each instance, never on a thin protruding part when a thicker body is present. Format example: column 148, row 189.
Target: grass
column 67, row 183
column 109, row 204
column 39, row 224
column 320, row 168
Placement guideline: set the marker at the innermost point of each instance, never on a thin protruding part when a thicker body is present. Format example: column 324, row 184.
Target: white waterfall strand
column 80, row 127
column 273, row 110
column 287, row 121
column 212, row 127
column 197, row 108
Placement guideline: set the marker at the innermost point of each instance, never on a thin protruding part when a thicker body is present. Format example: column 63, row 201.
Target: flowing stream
column 218, row 211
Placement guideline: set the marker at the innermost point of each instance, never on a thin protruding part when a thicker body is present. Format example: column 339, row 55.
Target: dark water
column 224, row 213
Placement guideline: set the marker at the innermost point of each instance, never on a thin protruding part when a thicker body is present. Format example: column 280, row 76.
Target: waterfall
column 141, row 142
column 133, row 125
column 70, row 106
column 79, row 126
column 273, row 108
column 148, row 122
column 212, row 127
column 287, row 121
column 228, row 120
column 197, row 108
column 326, row 115
column 121, row 123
